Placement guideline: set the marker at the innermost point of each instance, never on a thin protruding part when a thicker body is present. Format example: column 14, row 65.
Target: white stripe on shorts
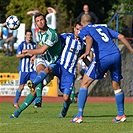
column 90, row 69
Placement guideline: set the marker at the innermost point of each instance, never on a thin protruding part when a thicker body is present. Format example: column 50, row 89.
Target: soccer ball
column 12, row 22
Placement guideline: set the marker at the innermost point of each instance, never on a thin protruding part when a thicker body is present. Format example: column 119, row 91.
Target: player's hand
column 27, row 54
column 32, row 59
column 83, row 56
column 24, row 51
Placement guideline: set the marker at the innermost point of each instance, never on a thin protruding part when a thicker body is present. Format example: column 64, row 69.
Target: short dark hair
column 28, row 30
column 40, row 14
column 78, row 22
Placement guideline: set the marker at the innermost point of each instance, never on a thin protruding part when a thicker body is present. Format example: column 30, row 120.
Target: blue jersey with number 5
column 103, row 43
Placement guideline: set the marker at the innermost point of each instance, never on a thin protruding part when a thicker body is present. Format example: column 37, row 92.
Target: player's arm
column 53, row 10
column 38, row 50
column 32, row 12
column 23, row 55
column 125, row 42
column 89, row 42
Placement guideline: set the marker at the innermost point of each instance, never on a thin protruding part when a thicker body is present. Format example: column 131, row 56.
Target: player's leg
column 66, row 105
column 28, row 100
column 22, row 82
column 18, row 95
column 82, row 97
column 42, row 72
column 88, row 78
column 39, row 88
column 37, row 82
column 116, row 76
column 72, row 96
column 11, row 45
column 79, row 76
column 2, row 42
column 38, row 99
column 66, row 81
column 119, row 97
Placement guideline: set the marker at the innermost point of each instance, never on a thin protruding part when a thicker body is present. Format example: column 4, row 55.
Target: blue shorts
column 25, row 76
column 97, row 69
column 66, row 78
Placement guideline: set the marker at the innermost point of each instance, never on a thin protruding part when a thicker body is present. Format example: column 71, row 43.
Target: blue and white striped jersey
column 71, row 52
column 25, row 63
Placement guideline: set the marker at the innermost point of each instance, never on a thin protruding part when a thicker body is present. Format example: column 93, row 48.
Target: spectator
column 51, row 18
column 33, row 25
column 87, row 11
column 3, row 32
column 10, row 37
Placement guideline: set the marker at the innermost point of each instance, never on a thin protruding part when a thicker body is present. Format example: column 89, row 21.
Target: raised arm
column 32, row 12
column 52, row 9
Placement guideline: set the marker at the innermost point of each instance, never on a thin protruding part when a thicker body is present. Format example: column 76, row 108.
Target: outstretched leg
column 28, row 100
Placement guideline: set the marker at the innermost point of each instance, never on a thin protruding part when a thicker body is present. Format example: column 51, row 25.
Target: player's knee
column 116, row 85
column 65, row 97
column 21, row 87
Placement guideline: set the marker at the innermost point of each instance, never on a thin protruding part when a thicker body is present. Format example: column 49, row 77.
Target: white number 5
column 104, row 36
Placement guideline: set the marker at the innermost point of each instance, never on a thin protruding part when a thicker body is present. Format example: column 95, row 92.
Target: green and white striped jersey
column 51, row 39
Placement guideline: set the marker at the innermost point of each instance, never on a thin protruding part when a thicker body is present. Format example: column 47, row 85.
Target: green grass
column 97, row 119
column 8, row 63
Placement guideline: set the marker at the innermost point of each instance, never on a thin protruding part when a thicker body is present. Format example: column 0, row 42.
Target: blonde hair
column 86, row 18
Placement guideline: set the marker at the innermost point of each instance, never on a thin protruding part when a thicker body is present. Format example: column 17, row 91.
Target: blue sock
column 82, row 96
column 40, row 77
column 120, row 103
column 18, row 94
column 65, row 108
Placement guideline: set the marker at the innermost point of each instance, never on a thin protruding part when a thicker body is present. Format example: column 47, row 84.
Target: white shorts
column 40, row 60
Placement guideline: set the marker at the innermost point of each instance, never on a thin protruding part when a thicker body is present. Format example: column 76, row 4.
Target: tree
column 20, row 8
column 125, row 20
column 3, row 5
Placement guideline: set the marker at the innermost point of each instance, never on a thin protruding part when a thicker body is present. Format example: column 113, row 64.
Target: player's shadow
column 98, row 116
column 105, row 116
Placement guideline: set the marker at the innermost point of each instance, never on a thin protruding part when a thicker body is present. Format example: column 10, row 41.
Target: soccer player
column 65, row 66
column 48, row 51
column 107, row 57
column 26, row 67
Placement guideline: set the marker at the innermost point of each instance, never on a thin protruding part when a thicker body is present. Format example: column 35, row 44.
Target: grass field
column 97, row 119
column 8, row 63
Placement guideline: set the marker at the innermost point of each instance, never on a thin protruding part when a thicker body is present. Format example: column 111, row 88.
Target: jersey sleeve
column 82, row 35
column 63, row 38
column 20, row 48
column 52, row 39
